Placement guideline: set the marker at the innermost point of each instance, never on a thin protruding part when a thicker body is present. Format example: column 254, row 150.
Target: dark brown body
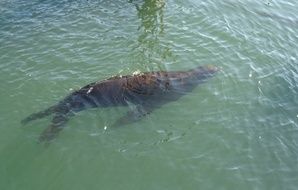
column 147, row 91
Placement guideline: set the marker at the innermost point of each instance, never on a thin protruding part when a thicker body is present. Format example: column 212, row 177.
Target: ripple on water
column 240, row 125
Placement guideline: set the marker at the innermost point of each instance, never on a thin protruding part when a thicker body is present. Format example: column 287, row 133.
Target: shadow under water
column 149, row 48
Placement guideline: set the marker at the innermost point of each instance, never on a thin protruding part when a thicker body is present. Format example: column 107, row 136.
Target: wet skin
column 147, row 91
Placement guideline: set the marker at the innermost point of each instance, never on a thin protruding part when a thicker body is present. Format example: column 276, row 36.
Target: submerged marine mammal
column 147, row 91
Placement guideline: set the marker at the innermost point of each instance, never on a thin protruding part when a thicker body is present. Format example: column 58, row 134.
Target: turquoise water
column 237, row 131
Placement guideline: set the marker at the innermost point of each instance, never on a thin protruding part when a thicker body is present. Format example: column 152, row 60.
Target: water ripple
column 240, row 125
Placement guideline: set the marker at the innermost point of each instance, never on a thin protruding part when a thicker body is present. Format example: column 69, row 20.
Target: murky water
column 237, row 131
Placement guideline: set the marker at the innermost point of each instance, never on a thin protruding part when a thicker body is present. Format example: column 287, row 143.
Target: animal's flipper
column 52, row 130
column 133, row 115
column 39, row 115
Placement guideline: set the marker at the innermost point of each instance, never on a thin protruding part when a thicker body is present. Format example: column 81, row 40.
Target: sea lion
column 147, row 91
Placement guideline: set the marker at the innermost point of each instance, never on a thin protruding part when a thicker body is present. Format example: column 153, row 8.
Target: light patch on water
column 250, row 74
column 185, row 28
column 137, row 72
column 94, row 134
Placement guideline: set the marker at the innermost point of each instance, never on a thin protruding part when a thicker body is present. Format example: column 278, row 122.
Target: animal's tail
column 39, row 115
column 61, row 113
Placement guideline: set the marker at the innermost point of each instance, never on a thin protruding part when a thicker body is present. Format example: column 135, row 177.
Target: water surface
column 237, row 131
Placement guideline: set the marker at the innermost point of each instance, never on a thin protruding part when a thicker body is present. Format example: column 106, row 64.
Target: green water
column 237, row 131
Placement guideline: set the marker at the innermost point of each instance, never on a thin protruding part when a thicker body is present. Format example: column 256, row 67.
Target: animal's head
column 206, row 71
column 210, row 69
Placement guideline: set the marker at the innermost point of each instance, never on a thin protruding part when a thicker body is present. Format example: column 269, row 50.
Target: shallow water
column 237, row 131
